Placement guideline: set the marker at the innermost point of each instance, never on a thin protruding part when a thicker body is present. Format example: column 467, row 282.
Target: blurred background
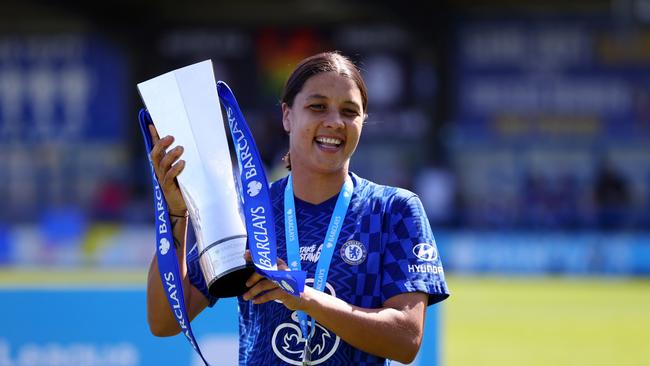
column 523, row 126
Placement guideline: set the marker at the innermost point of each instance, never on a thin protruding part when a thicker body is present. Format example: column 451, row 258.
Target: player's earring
column 287, row 160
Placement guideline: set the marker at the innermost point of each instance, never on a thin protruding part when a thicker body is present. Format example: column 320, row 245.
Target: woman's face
column 324, row 123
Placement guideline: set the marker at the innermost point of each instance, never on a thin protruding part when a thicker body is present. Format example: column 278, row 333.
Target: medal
column 306, row 354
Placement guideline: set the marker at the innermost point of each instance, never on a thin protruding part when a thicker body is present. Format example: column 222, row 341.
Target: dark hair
column 314, row 65
column 320, row 63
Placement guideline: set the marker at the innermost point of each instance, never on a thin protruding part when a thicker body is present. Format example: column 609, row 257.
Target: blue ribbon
column 258, row 210
column 331, row 237
column 165, row 249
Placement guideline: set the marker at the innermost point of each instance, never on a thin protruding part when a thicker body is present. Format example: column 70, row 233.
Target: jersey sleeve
column 411, row 262
column 194, row 271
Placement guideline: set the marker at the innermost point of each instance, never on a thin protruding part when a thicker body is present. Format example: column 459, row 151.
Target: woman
column 384, row 268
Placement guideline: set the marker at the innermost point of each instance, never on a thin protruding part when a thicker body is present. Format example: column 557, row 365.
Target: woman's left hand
column 262, row 290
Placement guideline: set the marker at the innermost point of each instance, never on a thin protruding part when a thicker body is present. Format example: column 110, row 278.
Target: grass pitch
column 39, row 278
column 546, row 321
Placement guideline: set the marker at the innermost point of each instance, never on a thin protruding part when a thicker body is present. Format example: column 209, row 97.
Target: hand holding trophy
column 184, row 104
column 166, row 172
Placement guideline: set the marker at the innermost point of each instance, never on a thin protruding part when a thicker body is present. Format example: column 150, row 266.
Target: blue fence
column 539, row 253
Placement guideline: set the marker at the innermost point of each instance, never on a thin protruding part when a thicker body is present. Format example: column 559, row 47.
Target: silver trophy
column 184, row 103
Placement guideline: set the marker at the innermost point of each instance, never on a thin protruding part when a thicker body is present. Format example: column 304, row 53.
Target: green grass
column 546, row 321
column 63, row 278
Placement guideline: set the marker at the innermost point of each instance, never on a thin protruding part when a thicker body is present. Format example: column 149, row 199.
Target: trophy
column 184, row 103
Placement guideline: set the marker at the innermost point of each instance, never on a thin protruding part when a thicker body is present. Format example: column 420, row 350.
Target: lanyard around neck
column 331, row 237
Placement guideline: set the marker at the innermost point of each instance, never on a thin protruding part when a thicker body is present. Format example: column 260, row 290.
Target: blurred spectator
column 5, row 250
column 535, row 207
column 436, row 186
column 110, row 200
column 611, row 196
column 568, row 192
column 63, row 228
column 550, row 202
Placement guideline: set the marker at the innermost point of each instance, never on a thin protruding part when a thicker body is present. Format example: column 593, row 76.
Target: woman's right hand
column 167, row 168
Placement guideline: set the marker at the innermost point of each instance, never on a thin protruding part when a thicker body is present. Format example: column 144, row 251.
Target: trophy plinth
column 224, row 268
column 232, row 283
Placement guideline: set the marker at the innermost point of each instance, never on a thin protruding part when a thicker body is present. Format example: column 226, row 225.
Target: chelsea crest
column 353, row 252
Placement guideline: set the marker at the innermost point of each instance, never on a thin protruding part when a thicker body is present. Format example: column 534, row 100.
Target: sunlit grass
column 546, row 321
column 58, row 277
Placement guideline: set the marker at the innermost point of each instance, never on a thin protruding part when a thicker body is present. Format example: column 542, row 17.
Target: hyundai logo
column 426, row 252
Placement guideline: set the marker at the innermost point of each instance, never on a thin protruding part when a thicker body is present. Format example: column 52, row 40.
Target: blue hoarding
column 67, row 87
column 108, row 327
column 551, row 76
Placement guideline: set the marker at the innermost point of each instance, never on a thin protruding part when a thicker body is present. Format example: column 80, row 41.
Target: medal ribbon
column 325, row 259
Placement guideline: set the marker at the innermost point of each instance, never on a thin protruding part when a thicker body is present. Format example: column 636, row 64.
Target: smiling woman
column 366, row 248
column 328, row 98
column 324, row 123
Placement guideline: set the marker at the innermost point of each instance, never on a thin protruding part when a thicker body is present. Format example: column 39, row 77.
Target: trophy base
column 231, row 283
